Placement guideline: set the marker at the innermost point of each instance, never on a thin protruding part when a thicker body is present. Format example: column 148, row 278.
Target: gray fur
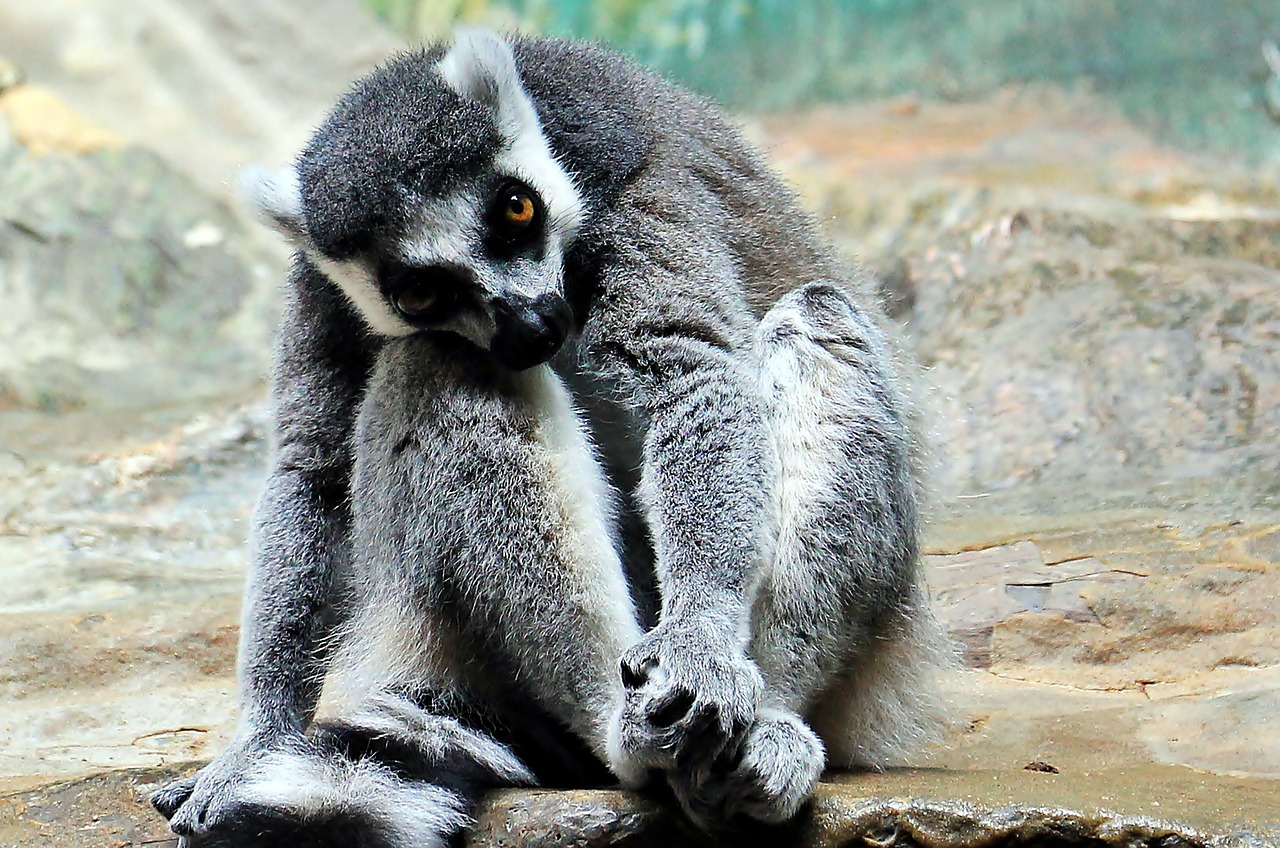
column 483, row 526
column 484, row 531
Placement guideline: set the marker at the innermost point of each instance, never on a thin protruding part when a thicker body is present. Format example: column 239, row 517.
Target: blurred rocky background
column 1074, row 211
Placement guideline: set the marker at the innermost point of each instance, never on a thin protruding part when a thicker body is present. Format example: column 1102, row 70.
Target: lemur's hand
column 690, row 695
column 196, row 804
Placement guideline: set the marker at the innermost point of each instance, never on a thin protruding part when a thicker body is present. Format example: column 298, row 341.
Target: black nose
column 530, row 329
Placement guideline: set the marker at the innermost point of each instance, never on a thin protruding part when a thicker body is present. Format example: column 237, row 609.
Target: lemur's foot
column 339, row 786
column 168, row 799
column 768, row 778
column 197, row 804
column 689, row 695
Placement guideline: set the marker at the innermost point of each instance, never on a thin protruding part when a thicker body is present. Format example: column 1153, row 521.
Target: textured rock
column 1092, row 308
column 120, row 278
column 41, row 122
column 1113, row 618
column 111, row 809
column 122, row 570
column 211, row 85
column 839, row 815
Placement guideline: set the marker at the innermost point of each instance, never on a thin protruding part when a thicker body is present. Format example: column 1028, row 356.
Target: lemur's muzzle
column 529, row 329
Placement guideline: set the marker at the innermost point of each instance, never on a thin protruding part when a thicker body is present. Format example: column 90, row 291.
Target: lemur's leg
column 491, row 613
column 485, row 544
column 839, row 628
column 842, row 612
column 384, row 775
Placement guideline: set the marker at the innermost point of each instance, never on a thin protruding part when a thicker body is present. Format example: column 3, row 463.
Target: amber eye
column 515, row 212
column 416, row 300
column 518, row 209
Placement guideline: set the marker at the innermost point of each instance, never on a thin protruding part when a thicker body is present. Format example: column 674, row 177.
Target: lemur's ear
column 480, row 66
column 277, row 198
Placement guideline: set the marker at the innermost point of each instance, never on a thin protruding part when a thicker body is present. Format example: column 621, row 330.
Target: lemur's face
column 431, row 198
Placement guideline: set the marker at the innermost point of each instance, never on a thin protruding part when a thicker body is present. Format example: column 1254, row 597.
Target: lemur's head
column 431, row 197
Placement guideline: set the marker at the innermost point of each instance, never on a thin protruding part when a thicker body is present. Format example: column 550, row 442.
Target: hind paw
column 768, row 778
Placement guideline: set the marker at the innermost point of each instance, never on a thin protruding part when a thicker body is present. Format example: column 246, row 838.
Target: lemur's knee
column 821, row 316
column 846, row 505
column 823, row 302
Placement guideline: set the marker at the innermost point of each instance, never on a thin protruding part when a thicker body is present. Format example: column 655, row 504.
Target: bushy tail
column 387, row 775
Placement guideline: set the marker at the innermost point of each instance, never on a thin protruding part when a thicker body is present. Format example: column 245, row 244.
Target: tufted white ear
column 481, row 67
column 277, row 198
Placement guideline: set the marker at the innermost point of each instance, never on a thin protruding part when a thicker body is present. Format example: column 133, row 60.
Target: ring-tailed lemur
column 564, row 485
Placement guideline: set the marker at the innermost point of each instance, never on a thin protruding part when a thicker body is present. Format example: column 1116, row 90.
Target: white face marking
column 278, row 199
column 525, row 277
column 441, row 230
column 358, row 284
column 528, row 157
column 480, row 66
column 442, row 234
column 475, row 328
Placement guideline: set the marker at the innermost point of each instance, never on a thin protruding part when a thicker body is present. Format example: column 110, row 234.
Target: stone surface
column 123, row 569
column 860, row 810
column 120, row 279
column 872, row 810
column 211, row 85
column 1092, row 308
column 42, row 122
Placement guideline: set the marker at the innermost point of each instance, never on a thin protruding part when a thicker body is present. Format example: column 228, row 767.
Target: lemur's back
column 589, row 96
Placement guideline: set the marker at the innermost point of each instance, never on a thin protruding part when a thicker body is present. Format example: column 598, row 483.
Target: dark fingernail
column 634, row 676
column 730, row 759
column 631, row 678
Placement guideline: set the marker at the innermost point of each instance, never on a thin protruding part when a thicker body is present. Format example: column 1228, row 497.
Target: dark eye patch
column 424, row 295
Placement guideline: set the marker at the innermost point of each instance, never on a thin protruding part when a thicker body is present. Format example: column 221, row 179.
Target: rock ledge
column 110, row 809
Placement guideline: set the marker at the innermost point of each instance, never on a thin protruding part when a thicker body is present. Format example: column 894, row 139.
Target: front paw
column 197, row 804
column 690, row 694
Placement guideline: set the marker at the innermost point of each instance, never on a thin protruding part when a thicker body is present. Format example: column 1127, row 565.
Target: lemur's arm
column 300, row 542
column 671, row 324
column 300, row 528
